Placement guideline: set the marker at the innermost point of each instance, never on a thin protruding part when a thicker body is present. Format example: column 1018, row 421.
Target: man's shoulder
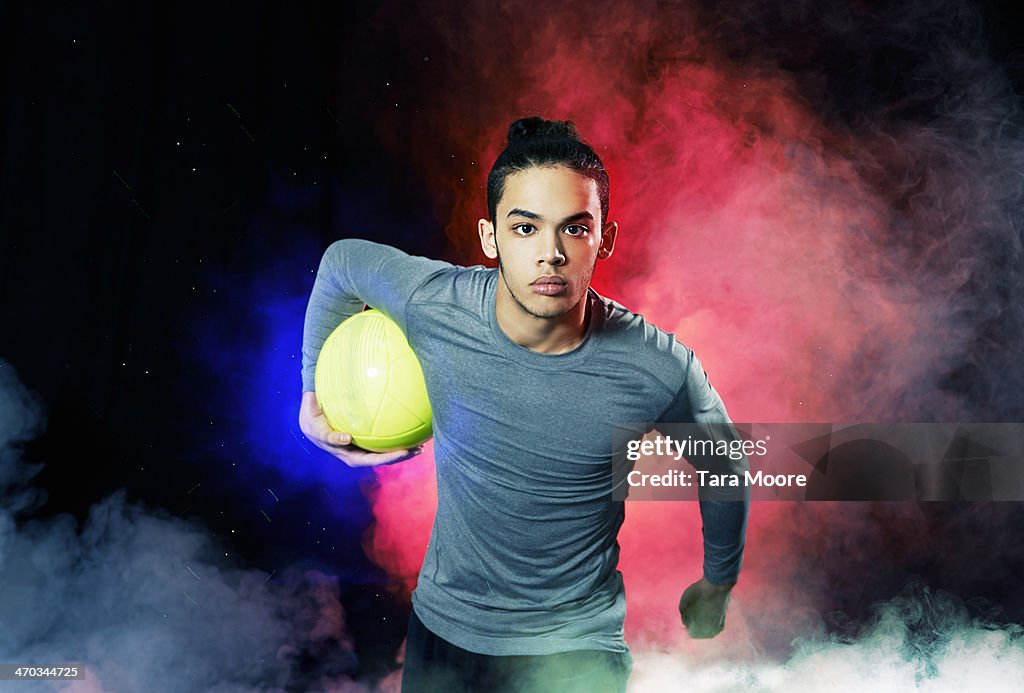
column 427, row 278
column 457, row 284
column 632, row 336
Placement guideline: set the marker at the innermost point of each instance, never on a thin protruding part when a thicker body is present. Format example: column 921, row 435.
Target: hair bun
column 535, row 126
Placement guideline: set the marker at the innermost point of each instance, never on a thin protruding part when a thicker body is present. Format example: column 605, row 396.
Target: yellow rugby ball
column 370, row 384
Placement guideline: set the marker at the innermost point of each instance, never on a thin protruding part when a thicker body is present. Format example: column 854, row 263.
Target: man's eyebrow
column 536, row 217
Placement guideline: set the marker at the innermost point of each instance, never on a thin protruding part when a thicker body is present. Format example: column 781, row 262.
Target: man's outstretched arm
column 703, row 604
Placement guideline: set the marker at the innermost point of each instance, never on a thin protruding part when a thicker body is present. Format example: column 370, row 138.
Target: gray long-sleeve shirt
column 523, row 552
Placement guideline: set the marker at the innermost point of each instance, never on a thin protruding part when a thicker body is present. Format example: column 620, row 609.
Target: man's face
column 547, row 237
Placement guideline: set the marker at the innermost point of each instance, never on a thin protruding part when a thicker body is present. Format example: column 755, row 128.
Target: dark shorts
column 433, row 664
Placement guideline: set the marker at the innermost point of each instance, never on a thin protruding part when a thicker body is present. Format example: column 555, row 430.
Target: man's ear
column 607, row 240
column 486, row 231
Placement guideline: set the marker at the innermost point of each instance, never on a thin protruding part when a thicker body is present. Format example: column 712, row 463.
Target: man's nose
column 550, row 249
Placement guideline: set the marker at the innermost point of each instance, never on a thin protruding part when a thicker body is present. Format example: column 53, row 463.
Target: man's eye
column 575, row 230
column 523, row 228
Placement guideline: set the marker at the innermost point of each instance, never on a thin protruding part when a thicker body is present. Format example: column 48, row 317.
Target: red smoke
column 748, row 227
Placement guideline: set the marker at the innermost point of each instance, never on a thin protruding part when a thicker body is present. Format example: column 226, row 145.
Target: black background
column 114, row 248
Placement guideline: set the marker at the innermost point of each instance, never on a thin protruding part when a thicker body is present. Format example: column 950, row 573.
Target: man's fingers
column 355, row 457
column 314, row 425
column 318, row 430
column 704, row 620
column 338, row 438
column 324, row 432
column 703, row 612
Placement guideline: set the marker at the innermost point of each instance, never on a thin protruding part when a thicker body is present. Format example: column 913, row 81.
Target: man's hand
column 314, row 426
column 702, row 608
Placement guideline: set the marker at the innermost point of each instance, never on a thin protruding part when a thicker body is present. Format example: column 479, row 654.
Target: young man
column 528, row 370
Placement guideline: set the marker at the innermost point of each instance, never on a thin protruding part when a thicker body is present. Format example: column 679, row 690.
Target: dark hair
column 535, row 141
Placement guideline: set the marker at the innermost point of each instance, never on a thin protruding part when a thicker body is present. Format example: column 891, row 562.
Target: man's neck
column 545, row 335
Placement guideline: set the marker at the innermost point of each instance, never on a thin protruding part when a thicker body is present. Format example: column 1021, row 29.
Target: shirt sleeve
column 724, row 517
column 355, row 273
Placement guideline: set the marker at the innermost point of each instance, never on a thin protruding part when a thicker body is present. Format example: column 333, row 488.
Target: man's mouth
column 550, row 285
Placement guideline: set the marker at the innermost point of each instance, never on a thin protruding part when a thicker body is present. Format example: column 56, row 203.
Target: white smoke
column 143, row 601
column 918, row 642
